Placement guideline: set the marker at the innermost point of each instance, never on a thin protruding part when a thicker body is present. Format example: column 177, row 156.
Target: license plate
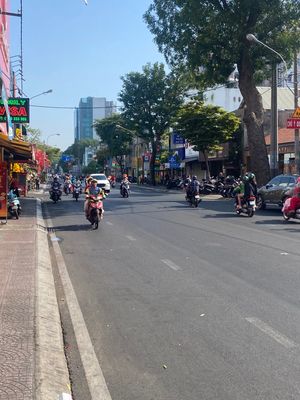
column 197, row 197
column 252, row 203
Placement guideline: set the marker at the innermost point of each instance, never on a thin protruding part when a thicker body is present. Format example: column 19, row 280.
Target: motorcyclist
column 94, row 190
column 246, row 189
column 193, row 187
column 124, row 181
column 250, row 186
column 55, row 186
column 76, row 185
column 294, row 202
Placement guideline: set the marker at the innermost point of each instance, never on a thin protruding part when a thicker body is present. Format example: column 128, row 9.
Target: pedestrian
column 37, row 183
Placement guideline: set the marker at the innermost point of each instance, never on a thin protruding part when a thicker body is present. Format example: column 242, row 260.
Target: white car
column 102, row 181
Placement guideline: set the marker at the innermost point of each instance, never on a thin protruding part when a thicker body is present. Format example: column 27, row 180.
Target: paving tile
column 17, row 304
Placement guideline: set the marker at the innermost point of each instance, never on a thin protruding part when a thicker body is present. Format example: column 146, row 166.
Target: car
column 276, row 191
column 102, row 181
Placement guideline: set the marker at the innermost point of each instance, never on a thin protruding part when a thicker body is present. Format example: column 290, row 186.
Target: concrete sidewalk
column 32, row 360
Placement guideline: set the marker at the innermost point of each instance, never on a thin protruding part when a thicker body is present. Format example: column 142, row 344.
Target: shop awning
column 20, row 150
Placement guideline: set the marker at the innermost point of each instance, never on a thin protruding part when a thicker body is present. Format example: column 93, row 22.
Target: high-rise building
column 89, row 110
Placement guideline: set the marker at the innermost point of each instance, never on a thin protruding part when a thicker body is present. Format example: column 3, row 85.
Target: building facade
column 89, row 110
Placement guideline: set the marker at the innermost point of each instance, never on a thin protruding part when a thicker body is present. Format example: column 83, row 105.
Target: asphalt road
column 186, row 304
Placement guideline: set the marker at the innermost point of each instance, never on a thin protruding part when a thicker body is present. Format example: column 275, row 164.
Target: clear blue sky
column 78, row 51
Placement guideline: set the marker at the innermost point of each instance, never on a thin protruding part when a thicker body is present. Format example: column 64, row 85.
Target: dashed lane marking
column 171, row 265
column 268, row 330
column 131, row 238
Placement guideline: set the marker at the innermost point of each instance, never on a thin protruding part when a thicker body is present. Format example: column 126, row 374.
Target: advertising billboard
column 18, row 109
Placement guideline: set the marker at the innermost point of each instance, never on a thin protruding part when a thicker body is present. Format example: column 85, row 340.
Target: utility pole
column 274, row 124
column 297, row 156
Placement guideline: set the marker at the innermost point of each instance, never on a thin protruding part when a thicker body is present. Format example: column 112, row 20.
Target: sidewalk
column 32, row 362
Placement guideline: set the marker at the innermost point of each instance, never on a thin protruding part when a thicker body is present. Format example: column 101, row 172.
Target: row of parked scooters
column 224, row 187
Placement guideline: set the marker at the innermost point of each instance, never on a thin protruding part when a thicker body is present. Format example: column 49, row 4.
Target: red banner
column 3, row 190
column 293, row 123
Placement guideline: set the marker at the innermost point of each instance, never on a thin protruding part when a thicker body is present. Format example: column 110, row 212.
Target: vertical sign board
column 3, row 190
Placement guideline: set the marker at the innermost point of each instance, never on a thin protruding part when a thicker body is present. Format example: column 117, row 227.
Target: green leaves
column 205, row 127
column 114, row 135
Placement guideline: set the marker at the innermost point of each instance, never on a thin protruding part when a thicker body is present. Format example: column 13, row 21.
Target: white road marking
column 284, row 254
column 170, row 264
column 268, row 330
column 131, row 238
column 109, row 223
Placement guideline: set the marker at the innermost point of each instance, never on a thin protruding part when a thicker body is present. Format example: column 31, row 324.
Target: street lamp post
column 47, row 139
column 137, row 148
column 40, row 94
column 274, row 109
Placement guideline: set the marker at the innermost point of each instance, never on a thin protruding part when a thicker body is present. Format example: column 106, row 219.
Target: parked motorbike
column 13, row 206
column 248, row 206
column 95, row 210
column 125, row 190
column 55, row 194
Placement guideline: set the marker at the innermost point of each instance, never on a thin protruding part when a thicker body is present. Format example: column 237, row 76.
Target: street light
column 274, row 109
column 53, row 134
column 137, row 146
column 254, row 39
column 40, row 94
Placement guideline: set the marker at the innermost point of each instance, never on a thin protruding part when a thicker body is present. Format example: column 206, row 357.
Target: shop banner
column 3, row 190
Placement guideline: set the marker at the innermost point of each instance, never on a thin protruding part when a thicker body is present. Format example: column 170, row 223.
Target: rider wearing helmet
column 250, row 186
column 195, row 185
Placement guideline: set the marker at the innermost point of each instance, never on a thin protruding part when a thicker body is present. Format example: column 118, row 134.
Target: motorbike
column 76, row 192
column 287, row 215
column 248, row 206
column 193, row 198
column 13, row 206
column 125, row 190
column 67, row 188
column 55, row 194
column 95, row 209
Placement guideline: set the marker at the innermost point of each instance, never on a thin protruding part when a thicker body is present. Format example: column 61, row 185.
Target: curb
column 51, row 371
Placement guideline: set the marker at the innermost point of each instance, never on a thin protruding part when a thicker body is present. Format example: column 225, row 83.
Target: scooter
column 95, row 210
column 76, row 192
column 125, row 190
column 14, row 206
column 287, row 215
column 193, row 198
column 55, row 194
column 248, row 206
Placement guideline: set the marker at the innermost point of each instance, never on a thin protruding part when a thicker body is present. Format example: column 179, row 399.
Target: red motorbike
column 95, row 209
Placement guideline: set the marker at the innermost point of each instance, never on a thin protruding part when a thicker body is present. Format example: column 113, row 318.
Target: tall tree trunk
column 254, row 120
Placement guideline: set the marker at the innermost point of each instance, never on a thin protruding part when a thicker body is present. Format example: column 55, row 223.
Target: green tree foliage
column 151, row 98
column 205, row 127
column 117, row 138
column 92, row 168
column 209, row 37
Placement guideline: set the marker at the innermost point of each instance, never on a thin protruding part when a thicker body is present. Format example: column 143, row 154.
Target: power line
column 74, row 108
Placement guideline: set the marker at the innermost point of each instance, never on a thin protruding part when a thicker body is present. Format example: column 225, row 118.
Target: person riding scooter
column 94, row 190
column 55, row 186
